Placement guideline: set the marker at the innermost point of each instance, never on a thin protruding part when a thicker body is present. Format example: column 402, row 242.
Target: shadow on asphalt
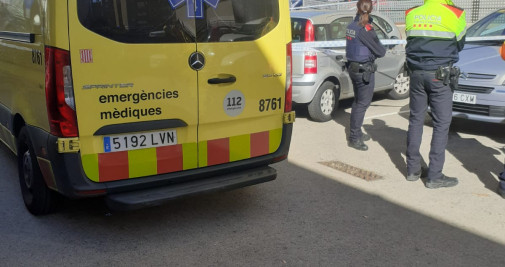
column 301, row 218
column 475, row 157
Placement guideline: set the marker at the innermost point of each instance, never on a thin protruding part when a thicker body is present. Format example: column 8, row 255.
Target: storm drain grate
column 355, row 171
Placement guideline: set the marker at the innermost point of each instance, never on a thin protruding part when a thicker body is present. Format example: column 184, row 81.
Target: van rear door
column 241, row 87
column 169, row 85
column 136, row 97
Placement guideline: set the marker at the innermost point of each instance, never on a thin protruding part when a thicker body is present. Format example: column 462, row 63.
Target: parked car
column 481, row 92
column 320, row 79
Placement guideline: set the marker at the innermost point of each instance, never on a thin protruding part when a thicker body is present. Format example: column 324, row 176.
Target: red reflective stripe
column 457, row 11
column 113, row 166
column 218, row 151
column 169, row 159
column 259, row 144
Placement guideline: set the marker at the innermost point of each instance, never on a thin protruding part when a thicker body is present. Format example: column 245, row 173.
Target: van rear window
column 177, row 21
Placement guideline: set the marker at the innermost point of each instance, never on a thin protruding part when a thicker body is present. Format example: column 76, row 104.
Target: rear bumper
column 303, row 92
column 157, row 196
column 64, row 173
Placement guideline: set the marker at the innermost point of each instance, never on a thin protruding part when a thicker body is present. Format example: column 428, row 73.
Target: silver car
column 320, row 79
column 481, row 92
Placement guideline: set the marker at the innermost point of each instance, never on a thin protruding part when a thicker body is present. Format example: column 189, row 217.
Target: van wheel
column 401, row 87
column 38, row 198
column 325, row 102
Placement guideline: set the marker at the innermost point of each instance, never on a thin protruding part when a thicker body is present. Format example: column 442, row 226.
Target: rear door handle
column 231, row 79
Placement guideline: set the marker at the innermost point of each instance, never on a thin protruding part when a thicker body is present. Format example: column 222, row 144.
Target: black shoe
column 501, row 190
column 418, row 174
column 444, row 181
column 414, row 176
column 365, row 137
column 359, row 145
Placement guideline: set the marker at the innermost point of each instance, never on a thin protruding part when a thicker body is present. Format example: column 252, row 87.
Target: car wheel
column 401, row 87
column 38, row 198
column 325, row 102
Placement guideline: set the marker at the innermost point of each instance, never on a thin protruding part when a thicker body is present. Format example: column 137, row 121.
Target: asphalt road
column 311, row 215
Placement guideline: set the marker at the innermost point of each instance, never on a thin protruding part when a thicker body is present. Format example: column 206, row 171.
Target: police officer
column 435, row 36
column 362, row 48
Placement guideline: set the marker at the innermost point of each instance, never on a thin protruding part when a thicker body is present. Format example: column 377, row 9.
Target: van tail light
column 309, row 31
column 60, row 93
column 310, row 62
column 289, row 78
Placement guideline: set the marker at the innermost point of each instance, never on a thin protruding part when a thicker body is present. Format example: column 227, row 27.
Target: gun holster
column 454, row 79
column 368, row 69
column 449, row 75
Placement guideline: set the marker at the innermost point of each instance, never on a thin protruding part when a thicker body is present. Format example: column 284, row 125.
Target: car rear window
column 178, row 21
column 298, row 29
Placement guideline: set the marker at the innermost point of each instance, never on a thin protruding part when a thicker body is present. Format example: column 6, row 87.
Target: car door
column 136, row 97
column 337, row 28
column 388, row 66
column 241, row 86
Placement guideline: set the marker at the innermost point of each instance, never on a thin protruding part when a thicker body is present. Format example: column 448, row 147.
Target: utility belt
column 366, row 68
column 449, row 75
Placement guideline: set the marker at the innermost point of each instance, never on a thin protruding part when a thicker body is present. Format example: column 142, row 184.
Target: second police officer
column 362, row 48
column 435, row 36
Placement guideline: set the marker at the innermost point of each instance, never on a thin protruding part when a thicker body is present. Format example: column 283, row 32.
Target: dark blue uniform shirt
column 363, row 45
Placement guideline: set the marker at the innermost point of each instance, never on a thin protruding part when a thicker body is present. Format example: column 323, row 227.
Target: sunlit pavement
column 474, row 155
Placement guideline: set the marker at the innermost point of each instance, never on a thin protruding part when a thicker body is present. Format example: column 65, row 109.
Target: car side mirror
column 339, row 57
column 502, row 51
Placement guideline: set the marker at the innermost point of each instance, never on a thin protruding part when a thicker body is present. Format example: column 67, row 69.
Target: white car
column 320, row 79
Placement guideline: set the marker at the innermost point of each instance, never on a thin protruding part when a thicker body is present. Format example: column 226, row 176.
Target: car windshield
column 492, row 25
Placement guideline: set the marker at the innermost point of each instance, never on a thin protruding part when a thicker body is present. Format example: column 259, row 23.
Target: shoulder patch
column 368, row 27
column 456, row 10
column 408, row 10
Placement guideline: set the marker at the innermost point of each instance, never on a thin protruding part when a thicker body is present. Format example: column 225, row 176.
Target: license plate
column 139, row 141
column 464, row 98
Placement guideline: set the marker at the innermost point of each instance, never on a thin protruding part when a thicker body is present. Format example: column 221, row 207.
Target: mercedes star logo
column 196, row 61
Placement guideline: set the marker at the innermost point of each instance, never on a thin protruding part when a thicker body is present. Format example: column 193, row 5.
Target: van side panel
column 22, row 86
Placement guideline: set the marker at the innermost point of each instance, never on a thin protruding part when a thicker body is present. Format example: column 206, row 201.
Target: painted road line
column 386, row 114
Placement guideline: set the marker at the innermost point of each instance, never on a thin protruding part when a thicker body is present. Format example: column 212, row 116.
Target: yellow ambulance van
column 143, row 101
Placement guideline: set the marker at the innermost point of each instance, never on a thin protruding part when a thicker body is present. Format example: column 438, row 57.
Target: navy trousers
column 363, row 94
column 424, row 90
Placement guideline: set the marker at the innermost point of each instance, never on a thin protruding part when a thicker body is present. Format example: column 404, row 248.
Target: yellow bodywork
column 117, row 83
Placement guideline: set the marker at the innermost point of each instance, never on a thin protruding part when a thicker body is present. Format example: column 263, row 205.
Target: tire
column 401, row 87
column 325, row 102
column 38, row 198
